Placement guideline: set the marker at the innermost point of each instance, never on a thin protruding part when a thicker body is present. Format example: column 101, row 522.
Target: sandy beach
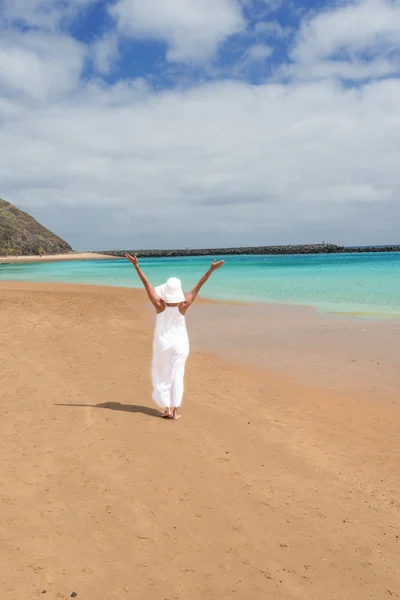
column 281, row 481
column 55, row 257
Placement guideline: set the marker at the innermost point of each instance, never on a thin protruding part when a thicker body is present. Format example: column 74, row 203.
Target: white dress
column 170, row 351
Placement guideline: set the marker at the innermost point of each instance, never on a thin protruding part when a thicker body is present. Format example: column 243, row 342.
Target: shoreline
column 367, row 316
column 289, row 341
column 6, row 260
column 279, row 466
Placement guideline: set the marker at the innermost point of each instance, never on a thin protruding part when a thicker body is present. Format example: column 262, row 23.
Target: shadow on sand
column 145, row 410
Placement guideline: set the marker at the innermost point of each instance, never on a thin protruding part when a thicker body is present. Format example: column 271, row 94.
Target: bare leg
column 177, row 390
column 176, row 414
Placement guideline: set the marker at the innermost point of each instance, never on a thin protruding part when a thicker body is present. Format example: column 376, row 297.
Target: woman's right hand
column 133, row 260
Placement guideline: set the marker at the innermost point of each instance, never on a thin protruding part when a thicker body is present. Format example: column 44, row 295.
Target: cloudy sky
column 174, row 123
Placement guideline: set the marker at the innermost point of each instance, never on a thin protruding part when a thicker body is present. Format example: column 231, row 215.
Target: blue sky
column 146, row 123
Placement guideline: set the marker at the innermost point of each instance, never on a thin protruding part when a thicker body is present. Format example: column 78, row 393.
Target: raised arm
column 191, row 296
column 154, row 299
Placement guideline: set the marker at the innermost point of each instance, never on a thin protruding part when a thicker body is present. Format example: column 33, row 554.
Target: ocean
column 365, row 284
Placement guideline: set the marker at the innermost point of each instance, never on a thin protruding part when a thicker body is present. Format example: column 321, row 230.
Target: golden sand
column 274, row 485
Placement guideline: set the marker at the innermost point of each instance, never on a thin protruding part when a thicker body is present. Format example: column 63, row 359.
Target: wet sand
column 340, row 353
column 281, row 481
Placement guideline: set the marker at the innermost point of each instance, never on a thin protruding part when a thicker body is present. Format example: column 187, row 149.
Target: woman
column 171, row 342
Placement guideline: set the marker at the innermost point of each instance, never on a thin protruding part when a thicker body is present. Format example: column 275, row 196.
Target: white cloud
column 34, row 13
column 43, row 14
column 39, row 65
column 105, row 52
column 271, row 29
column 358, row 27
column 273, row 5
column 254, row 57
column 191, row 29
column 355, row 40
column 355, row 70
column 220, row 163
column 258, row 52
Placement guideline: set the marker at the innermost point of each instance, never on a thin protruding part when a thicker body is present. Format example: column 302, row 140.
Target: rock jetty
column 373, row 249
column 297, row 249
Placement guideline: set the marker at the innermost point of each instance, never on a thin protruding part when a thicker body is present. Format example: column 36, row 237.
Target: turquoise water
column 340, row 283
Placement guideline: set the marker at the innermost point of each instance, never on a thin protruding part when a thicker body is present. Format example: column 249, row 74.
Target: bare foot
column 167, row 414
column 176, row 415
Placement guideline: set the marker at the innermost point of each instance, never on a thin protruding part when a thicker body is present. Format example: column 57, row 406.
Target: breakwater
column 289, row 249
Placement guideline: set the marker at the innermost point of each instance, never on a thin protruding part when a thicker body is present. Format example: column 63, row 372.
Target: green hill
column 22, row 234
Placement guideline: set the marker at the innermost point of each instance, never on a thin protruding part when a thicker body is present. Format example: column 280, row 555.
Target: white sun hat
column 171, row 292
